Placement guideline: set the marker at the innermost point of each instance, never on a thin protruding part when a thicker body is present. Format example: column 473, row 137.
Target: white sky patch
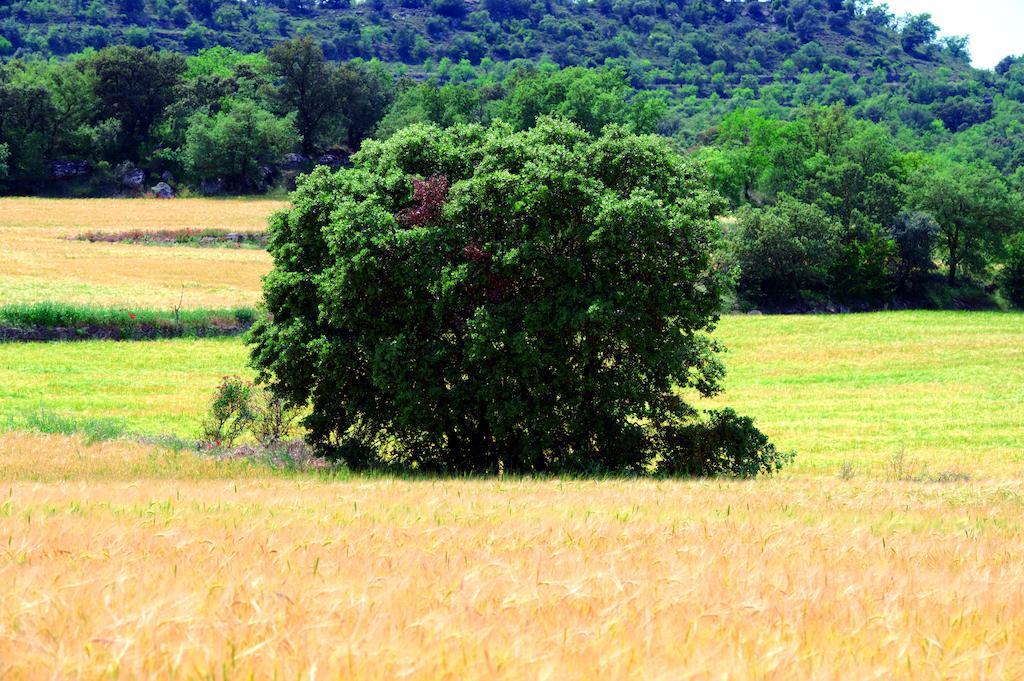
column 996, row 27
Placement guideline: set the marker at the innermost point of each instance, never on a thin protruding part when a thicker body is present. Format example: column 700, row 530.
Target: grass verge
column 62, row 321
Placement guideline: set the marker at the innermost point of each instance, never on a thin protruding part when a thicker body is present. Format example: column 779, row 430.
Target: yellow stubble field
column 40, row 262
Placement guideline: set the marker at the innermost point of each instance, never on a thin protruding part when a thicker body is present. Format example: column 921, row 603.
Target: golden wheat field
column 40, row 262
column 119, row 562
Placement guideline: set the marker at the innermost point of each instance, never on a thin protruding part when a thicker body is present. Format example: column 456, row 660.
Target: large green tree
column 476, row 299
column 365, row 90
column 974, row 207
column 786, row 253
column 308, row 85
column 134, row 87
column 26, row 113
column 236, row 144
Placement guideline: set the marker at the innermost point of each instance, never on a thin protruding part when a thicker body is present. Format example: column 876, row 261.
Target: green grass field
column 945, row 389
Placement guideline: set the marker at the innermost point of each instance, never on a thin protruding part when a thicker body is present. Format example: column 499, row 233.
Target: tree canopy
column 477, row 299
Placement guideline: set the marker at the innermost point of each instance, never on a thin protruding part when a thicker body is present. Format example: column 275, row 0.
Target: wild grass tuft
column 91, row 429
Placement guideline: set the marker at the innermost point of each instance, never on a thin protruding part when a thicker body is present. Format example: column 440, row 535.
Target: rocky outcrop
column 132, row 178
column 162, row 190
column 332, row 159
column 294, row 162
column 69, row 169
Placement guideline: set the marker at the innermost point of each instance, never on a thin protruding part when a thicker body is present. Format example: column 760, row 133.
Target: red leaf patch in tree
column 474, row 252
column 428, row 197
column 499, row 287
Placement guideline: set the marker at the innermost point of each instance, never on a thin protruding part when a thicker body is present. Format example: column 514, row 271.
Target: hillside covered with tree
column 856, row 149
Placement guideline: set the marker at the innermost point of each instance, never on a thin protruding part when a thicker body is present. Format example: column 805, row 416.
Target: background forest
column 864, row 162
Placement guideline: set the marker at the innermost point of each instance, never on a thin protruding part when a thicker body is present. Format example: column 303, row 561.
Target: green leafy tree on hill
column 331, row 102
column 134, row 87
column 918, row 33
column 365, row 92
column 786, row 253
column 308, row 86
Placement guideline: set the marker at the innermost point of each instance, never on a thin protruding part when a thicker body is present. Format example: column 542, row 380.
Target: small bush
column 240, row 408
column 275, row 419
column 232, row 412
column 725, row 444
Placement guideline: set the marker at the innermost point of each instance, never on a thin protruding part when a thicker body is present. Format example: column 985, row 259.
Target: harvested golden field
column 118, row 562
column 40, row 263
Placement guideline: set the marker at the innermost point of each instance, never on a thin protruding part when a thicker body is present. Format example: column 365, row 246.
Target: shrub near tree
column 479, row 300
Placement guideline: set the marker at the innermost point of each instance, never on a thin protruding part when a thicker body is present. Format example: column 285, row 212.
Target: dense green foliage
column 974, row 208
column 218, row 115
column 676, row 38
column 913, row 236
column 723, row 443
column 1013, row 274
column 702, row 58
column 476, row 299
column 785, row 253
column 835, row 212
column 236, row 144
